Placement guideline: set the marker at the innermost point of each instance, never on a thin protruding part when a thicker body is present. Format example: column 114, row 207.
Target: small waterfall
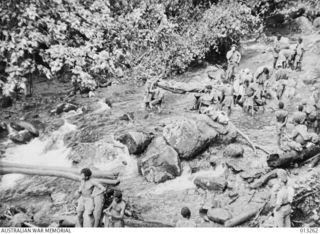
column 118, row 159
column 48, row 152
column 185, row 181
column 103, row 107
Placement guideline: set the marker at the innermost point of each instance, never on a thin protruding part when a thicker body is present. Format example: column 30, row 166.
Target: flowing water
column 161, row 202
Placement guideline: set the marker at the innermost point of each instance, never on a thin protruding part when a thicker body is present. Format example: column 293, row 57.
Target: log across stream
column 67, row 173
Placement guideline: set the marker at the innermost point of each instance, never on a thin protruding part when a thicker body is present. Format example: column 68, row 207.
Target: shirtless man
column 284, row 199
column 86, row 200
column 157, row 96
column 227, row 96
column 299, row 117
column 247, row 100
column 261, row 76
column 276, row 50
column 282, row 118
column 115, row 212
column 286, row 57
column 299, row 51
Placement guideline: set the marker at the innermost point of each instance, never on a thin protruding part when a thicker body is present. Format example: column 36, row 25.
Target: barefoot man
column 86, row 200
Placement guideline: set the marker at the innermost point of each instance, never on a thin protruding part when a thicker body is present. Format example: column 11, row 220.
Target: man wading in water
column 86, row 202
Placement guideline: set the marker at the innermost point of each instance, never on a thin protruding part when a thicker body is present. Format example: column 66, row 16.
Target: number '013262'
column 308, row 230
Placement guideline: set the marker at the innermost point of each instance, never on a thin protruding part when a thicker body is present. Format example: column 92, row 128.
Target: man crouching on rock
column 115, row 212
column 86, row 200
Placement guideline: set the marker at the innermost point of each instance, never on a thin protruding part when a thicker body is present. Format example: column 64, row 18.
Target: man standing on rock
column 115, row 212
column 86, row 200
column 276, row 50
column 157, row 96
column 299, row 50
column 282, row 209
column 233, row 58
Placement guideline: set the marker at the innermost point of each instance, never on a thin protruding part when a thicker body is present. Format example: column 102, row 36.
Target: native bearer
column 86, row 201
column 282, row 210
column 115, row 212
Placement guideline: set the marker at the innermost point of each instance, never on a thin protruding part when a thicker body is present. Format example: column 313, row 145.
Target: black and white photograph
column 159, row 114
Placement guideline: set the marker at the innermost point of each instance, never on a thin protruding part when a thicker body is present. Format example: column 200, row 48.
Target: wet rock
column 127, row 117
column 160, row 162
column 23, row 125
column 136, row 142
column 88, row 134
column 189, row 137
column 218, row 184
column 233, row 151
column 236, row 166
column 5, row 102
column 219, row 215
column 252, row 173
column 21, row 137
column 304, row 24
column 316, row 23
column 230, row 134
column 233, row 194
column 58, row 198
column 81, row 151
column 64, row 107
column 18, row 220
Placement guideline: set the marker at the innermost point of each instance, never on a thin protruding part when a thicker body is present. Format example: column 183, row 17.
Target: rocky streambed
column 184, row 159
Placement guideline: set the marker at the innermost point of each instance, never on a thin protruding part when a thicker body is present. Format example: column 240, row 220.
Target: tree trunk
column 95, row 173
column 54, row 173
column 241, row 219
column 288, row 158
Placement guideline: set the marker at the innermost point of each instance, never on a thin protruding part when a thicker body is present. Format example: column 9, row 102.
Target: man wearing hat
column 233, row 58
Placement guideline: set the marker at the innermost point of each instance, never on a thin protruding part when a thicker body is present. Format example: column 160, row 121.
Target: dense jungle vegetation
column 95, row 41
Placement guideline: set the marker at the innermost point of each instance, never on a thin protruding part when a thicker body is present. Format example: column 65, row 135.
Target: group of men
column 94, row 200
column 306, row 120
column 286, row 57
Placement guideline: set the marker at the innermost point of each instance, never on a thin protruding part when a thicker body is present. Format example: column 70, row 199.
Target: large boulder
column 160, row 162
column 21, row 137
column 316, row 23
column 135, row 141
column 230, row 135
column 304, row 24
column 212, row 183
column 190, row 136
column 27, row 126
column 219, row 215
column 64, row 107
column 233, row 151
